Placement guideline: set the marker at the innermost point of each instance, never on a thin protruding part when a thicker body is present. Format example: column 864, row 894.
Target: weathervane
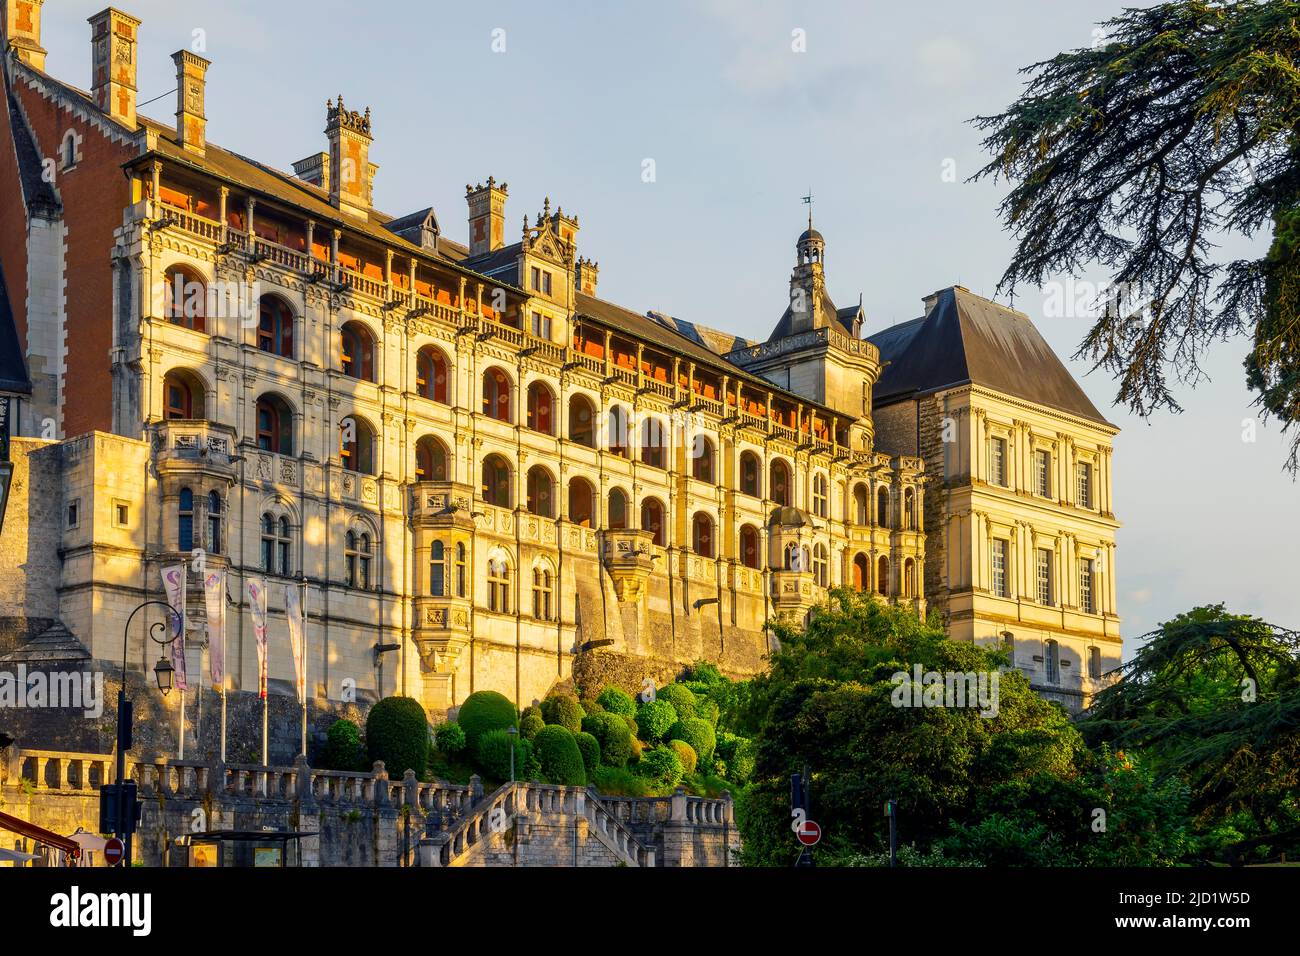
column 808, row 199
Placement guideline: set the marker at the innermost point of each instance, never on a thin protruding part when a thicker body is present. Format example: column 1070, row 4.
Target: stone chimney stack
column 351, row 174
column 22, row 31
column 113, row 57
column 191, row 84
column 487, row 216
column 585, row 276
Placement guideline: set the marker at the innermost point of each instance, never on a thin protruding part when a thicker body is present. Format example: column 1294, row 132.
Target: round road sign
column 113, row 851
column 809, row 833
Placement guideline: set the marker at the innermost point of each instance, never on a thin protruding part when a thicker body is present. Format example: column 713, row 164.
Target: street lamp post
column 513, row 732
column 163, row 673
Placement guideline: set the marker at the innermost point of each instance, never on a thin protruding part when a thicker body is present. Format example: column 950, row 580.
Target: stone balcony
column 629, row 559
column 194, row 446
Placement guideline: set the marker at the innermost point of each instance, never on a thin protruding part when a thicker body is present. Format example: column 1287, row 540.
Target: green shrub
column 613, row 736
column 619, row 782
column 530, row 723
column 682, row 699
column 697, row 732
column 589, row 746
column 492, row 755
column 343, row 750
column 397, row 732
column 560, row 757
column 590, row 706
column 704, row 672
column 653, row 720
column 661, row 767
column 450, row 738
column 564, row 710
column 486, row 710
column 708, row 710
column 741, row 766
column 617, row 702
column 686, row 754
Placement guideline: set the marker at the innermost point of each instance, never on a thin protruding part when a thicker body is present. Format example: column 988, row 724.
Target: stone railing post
column 677, row 811
column 410, row 790
column 379, row 786
column 309, row 848
column 475, row 789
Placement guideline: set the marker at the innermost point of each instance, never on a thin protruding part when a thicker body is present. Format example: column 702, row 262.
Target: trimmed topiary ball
column 450, row 738
column 492, row 755
column 530, row 723
column 685, row 753
column 653, row 720
column 613, row 736
column 590, row 706
column 682, row 699
column 560, row 757
column 564, row 710
column 617, row 702
column 483, row 711
column 589, row 747
column 397, row 732
column 661, row 767
column 343, row 750
column 697, row 732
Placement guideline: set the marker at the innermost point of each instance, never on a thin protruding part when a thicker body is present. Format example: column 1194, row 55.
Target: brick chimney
column 487, row 216
column 191, row 85
column 113, row 58
column 351, row 174
column 22, row 31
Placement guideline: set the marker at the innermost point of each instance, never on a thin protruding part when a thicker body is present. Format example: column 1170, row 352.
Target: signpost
column 114, row 851
column 809, row 833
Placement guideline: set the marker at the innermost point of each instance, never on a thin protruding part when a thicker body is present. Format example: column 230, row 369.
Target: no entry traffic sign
column 809, row 833
column 113, row 851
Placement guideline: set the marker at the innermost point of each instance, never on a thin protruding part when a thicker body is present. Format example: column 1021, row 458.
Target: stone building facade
column 470, row 466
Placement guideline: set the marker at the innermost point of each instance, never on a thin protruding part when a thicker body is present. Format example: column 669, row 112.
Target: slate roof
column 37, row 191
column 13, row 369
column 828, row 307
column 967, row 339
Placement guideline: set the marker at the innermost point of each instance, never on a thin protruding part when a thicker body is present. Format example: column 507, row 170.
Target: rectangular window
column 1052, row 662
column 1009, row 645
column 1043, row 469
column 541, row 325
column 1000, row 567
column 121, row 514
column 998, row 461
column 1094, row 663
column 1085, row 586
column 1085, row 485
column 536, row 277
column 1044, row 576
column 74, row 512
column 546, row 283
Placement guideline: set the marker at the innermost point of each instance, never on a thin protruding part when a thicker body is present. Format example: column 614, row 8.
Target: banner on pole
column 293, row 611
column 257, row 602
column 174, row 584
column 214, row 595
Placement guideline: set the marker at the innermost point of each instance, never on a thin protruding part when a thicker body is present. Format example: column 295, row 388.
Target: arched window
column 275, row 544
column 909, row 578
column 357, row 351
column 431, row 374
column 498, row 585
column 185, row 521
column 652, row 520
column 183, row 396
column 496, row 395
column 909, row 509
column 582, row 421
column 357, row 554
column 185, row 298
column 617, row 436
column 430, row 459
column 861, row 572
column 437, row 569
column 702, row 459
column 543, row 593
column 582, row 502
column 495, row 489
column 749, row 547
column 819, row 495
column 795, row 559
column 617, row 519
column 540, row 409
column 749, row 470
column 702, row 535
column 275, row 326
column 779, row 483
column 821, row 565
column 541, row 498
column 274, row 425
column 882, row 575
column 357, row 445
column 882, row 507
column 214, row 523
column 460, row 569
column 654, row 443
column 861, row 509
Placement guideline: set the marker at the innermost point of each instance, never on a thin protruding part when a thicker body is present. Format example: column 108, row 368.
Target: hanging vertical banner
column 174, row 584
column 214, row 594
column 293, row 611
column 257, row 601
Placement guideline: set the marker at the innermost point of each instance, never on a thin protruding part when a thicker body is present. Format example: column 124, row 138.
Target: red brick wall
column 13, row 227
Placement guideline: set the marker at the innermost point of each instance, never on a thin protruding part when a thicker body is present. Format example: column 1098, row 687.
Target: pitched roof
column 13, row 368
column 967, row 339
column 37, row 191
column 786, row 322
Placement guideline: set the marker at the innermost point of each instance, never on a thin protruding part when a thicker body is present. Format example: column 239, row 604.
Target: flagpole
column 304, row 667
column 225, row 605
column 185, row 574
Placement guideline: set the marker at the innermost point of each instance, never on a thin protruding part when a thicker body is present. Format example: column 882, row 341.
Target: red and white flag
column 214, row 594
column 174, row 584
column 257, row 602
column 293, row 611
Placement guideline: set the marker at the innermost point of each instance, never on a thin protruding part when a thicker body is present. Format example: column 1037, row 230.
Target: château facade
column 472, row 467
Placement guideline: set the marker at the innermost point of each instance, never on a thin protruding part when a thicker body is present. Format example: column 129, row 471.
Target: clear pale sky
column 739, row 127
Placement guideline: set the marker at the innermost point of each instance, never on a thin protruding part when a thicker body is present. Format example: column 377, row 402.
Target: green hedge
column 492, row 755
column 450, row 738
column 530, row 723
column 661, row 767
column 682, row 698
column 589, row 747
column 343, row 749
column 613, row 736
column 653, row 720
column 697, row 732
column 564, row 710
column 560, row 757
column 397, row 732
column 483, row 711
column 617, row 702
column 686, row 754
